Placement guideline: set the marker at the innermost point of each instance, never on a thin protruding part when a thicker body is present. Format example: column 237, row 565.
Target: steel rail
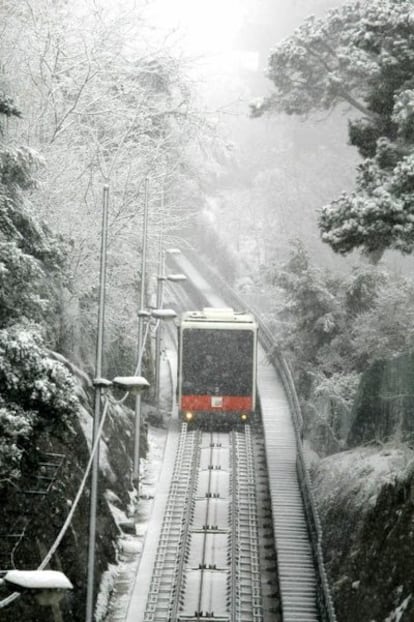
column 206, row 514
column 197, row 603
column 234, row 544
column 161, row 602
column 175, row 602
column 245, row 586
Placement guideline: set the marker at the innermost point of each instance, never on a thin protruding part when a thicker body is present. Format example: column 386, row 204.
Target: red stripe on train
column 213, row 403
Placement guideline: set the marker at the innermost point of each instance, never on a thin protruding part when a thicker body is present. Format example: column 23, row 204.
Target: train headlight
column 243, row 417
column 188, row 416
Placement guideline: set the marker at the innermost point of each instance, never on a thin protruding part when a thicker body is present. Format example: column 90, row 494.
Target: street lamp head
column 176, row 278
column 47, row 586
column 133, row 384
column 37, row 580
column 143, row 313
column 101, row 383
column 163, row 314
column 173, row 251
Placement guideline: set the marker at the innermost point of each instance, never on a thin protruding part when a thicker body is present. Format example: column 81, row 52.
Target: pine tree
column 362, row 55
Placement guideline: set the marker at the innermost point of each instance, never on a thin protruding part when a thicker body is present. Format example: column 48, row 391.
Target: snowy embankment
column 118, row 581
column 366, row 504
column 356, row 477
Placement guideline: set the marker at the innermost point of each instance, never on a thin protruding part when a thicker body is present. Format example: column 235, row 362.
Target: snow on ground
column 398, row 613
column 120, row 579
column 359, row 474
column 105, row 589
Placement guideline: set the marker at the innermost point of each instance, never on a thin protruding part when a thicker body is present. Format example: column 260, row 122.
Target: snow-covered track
column 169, row 557
column 304, row 590
column 246, row 583
column 204, row 581
column 207, row 562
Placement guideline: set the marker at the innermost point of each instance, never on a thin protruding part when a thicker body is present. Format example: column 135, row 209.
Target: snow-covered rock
column 365, row 498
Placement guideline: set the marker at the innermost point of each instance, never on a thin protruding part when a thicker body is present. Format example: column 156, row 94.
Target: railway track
column 216, row 557
column 304, row 589
column 207, row 565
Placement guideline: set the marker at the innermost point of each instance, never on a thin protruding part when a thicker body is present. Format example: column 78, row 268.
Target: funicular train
column 217, row 362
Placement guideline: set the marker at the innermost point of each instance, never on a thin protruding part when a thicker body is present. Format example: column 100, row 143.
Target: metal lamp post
column 158, row 314
column 97, row 411
column 100, row 384
column 131, row 384
column 142, row 314
column 161, row 278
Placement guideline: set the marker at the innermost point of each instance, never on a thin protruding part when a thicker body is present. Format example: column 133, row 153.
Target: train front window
column 217, row 362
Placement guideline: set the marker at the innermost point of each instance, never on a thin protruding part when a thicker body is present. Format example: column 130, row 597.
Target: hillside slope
column 37, row 518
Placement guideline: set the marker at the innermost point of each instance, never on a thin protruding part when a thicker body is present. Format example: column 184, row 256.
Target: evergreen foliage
column 333, row 328
column 106, row 102
column 32, row 267
column 31, row 379
column 361, row 54
column 7, row 107
column 16, row 428
column 32, row 260
column 34, row 389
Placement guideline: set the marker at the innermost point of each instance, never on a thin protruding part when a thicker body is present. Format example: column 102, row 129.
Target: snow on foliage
column 337, row 58
column 30, row 256
column 34, row 389
column 331, row 329
column 17, row 165
column 16, row 426
column 397, row 615
column 33, row 379
column 403, row 112
column 362, row 54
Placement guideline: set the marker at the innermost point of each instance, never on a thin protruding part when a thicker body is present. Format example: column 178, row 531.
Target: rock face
column 366, row 500
column 366, row 504
column 33, row 519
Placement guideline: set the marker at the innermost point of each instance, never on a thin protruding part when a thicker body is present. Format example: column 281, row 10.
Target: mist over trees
column 279, row 169
column 354, row 63
column 97, row 99
column 361, row 54
column 332, row 327
column 35, row 389
column 88, row 96
column 92, row 94
column 104, row 102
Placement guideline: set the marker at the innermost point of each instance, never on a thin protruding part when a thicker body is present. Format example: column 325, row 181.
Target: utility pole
column 97, row 412
column 142, row 314
column 158, row 302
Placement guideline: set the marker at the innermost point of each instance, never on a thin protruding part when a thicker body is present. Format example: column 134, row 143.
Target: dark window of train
column 217, row 362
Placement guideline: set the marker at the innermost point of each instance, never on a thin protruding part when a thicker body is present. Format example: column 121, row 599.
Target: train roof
column 218, row 315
